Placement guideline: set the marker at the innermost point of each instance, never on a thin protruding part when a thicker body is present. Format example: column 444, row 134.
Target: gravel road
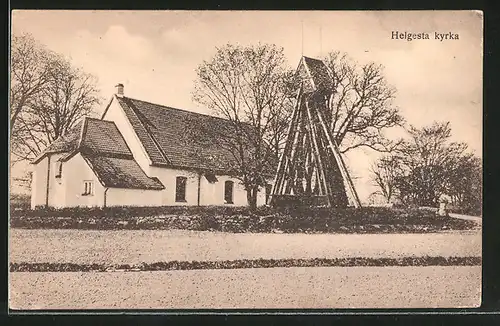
column 313, row 287
column 136, row 246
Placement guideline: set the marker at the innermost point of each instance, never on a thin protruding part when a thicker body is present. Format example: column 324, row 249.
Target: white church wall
column 68, row 190
column 133, row 197
column 168, row 178
column 74, row 174
column 213, row 193
column 210, row 193
column 115, row 113
column 57, row 185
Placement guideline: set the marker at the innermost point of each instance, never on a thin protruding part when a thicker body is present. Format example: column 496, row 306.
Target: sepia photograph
column 222, row 160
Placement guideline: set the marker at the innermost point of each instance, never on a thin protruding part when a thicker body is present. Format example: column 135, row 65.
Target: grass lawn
column 240, row 220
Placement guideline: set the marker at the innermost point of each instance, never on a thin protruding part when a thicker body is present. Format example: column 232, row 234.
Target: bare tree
column 62, row 97
column 361, row 107
column 280, row 116
column 464, row 183
column 250, row 87
column 384, row 175
column 429, row 159
column 29, row 69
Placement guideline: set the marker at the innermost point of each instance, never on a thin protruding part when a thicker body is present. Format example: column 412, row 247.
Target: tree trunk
column 252, row 197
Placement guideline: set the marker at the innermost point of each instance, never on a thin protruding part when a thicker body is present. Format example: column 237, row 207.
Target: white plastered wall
column 75, row 172
column 133, row 197
column 115, row 113
column 210, row 193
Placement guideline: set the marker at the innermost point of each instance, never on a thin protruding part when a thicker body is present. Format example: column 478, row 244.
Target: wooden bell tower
column 311, row 170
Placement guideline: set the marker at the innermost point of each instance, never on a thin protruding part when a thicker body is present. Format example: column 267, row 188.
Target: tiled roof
column 121, row 173
column 315, row 73
column 102, row 146
column 65, row 143
column 180, row 138
column 101, row 137
column 142, row 132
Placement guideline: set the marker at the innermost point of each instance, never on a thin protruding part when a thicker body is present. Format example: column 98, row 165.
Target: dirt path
column 478, row 220
column 310, row 287
column 136, row 246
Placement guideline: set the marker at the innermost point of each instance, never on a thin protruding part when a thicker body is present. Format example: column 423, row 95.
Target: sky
column 155, row 54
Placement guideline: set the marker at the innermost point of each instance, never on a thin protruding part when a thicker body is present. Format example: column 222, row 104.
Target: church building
column 140, row 154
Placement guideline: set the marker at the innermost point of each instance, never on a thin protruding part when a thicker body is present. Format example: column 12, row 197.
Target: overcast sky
column 154, row 54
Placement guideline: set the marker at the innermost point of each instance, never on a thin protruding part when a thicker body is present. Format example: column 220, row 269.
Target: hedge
column 246, row 263
column 240, row 219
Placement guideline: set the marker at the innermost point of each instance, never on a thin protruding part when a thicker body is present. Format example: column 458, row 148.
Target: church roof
column 121, row 172
column 102, row 146
column 183, row 139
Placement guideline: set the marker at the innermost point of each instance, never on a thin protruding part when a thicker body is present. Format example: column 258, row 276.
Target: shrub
column 206, row 222
column 20, row 202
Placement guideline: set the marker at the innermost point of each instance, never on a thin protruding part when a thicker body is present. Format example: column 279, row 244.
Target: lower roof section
column 119, row 172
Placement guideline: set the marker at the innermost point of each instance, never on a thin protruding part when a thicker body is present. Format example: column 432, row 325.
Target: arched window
column 180, row 189
column 228, row 192
column 58, row 169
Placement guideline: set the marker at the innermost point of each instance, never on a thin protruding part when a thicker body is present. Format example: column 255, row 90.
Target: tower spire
column 311, row 170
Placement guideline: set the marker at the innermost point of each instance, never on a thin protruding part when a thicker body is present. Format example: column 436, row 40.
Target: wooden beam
column 279, row 177
column 308, row 167
column 326, row 161
column 296, row 150
column 340, row 162
column 313, row 135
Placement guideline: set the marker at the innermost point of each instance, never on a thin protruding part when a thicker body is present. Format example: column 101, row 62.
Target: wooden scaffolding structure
column 311, row 170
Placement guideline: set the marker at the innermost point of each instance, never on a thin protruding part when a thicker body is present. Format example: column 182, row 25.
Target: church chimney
column 119, row 90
